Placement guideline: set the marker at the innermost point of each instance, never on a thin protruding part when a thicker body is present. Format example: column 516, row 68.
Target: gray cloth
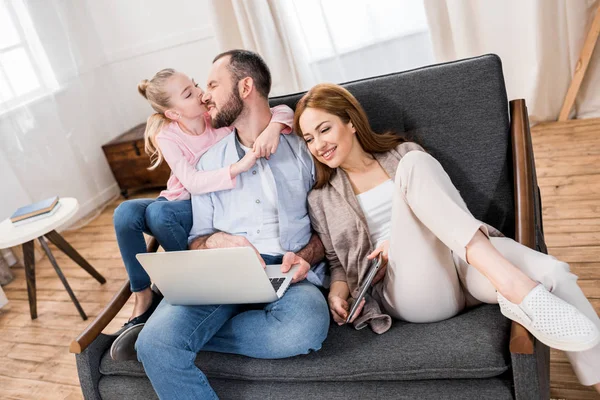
column 497, row 388
column 471, row 345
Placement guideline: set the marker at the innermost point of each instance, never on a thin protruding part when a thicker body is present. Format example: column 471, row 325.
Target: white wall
column 99, row 54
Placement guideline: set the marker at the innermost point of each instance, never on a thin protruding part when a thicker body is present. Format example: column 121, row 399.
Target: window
column 344, row 40
column 351, row 25
column 25, row 72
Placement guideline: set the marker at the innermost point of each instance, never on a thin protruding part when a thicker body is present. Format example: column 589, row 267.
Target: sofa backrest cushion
column 459, row 112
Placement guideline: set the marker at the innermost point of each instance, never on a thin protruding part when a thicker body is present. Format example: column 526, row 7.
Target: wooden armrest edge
column 94, row 329
column 91, row 332
column 521, row 341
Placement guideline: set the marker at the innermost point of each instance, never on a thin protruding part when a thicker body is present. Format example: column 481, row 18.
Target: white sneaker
column 552, row 321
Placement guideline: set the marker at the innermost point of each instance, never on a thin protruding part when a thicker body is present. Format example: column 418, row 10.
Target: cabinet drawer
column 126, row 151
column 132, row 173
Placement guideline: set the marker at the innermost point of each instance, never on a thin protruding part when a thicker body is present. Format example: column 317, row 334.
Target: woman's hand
column 266, row 143
column 383, row 248
column 243, row 165
column 340, row 308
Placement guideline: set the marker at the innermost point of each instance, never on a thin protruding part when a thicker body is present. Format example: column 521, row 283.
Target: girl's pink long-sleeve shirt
column 182, row 152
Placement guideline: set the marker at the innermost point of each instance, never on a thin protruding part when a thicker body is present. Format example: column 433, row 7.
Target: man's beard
column 229, row 112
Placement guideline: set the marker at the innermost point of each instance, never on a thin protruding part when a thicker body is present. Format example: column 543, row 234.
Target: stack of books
column 35, row 212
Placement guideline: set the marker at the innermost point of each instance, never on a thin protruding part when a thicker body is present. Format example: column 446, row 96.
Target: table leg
column 62, row 277
column 29, row 258
column 66, row 248
column 6, row 275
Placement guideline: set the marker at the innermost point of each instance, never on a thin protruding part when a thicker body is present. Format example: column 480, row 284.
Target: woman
column 381, row 194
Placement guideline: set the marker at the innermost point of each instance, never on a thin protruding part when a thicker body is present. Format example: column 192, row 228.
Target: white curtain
column 253, row 25
column 310, row 41
column 538, row 41
column 60, row 107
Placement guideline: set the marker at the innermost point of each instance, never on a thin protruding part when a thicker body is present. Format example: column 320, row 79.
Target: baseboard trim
column 93, row 204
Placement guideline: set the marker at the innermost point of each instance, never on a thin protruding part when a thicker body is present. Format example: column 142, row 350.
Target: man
column 267, row 210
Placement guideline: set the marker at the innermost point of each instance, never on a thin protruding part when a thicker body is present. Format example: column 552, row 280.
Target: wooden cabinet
column 129, row 162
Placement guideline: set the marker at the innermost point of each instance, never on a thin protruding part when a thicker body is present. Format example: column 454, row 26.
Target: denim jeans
column 169, row 222
column 167, row 346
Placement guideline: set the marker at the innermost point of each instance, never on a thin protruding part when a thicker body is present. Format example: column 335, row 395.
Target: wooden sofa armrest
column 521, row 341
column 91, row 332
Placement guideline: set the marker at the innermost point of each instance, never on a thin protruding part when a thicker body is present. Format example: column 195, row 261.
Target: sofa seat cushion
column 473, row 344
column 496, row 388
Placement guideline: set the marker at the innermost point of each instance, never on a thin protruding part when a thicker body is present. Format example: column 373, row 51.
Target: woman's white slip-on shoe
column 552, row 320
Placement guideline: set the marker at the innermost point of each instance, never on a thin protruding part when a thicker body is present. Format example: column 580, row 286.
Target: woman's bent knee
column 414, row 159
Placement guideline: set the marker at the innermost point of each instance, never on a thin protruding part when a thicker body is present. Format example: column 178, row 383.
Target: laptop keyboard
column 276, row 282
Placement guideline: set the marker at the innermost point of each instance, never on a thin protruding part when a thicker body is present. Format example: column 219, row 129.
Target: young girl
column 179, row 133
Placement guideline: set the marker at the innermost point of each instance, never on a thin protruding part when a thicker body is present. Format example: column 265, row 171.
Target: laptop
column 215, row 276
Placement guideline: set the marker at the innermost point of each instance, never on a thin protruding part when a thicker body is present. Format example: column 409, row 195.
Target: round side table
column 41, row 230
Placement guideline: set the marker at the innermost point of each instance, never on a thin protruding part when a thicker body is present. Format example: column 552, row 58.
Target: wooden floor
column 567, row 157
column 34, row 358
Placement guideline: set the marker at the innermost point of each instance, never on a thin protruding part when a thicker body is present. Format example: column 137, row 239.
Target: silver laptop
column 215, row 276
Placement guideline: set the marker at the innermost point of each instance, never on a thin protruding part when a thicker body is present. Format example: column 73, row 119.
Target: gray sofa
column 460, row 113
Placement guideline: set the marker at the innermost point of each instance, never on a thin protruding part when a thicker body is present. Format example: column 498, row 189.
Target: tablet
column 363, row 290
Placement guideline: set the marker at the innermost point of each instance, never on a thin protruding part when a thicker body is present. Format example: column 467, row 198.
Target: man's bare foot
column 143, row 300
column 597, row 387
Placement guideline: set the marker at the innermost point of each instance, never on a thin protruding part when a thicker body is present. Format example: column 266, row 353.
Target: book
column 37, row 217
column 35, row 209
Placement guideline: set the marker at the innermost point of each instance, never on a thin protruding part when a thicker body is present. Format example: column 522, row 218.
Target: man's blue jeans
column 169, row 222
column 167, row 346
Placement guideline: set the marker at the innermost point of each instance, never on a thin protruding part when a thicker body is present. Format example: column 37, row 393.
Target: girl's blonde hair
column 153, row 90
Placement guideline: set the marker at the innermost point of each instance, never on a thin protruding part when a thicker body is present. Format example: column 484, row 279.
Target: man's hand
column 221, row 240
column 290, row 259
